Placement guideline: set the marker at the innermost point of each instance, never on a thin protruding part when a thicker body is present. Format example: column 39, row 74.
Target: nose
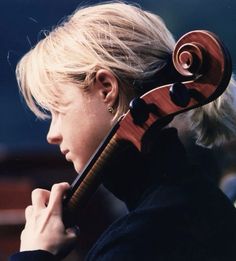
column 54, row 135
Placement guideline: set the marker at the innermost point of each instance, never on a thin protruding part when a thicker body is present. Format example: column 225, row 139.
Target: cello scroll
column 202, row 70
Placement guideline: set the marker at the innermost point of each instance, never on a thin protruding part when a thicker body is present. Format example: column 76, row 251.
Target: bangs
column 38, row 84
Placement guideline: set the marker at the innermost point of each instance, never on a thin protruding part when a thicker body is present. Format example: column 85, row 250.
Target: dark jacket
column 176, row 212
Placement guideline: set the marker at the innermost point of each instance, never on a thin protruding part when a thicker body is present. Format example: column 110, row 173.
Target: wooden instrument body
column 205, row 68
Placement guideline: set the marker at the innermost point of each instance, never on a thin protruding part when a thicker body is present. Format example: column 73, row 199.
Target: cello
column 198, row 73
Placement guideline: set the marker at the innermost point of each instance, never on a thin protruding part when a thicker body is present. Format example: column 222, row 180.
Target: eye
column 54, row 114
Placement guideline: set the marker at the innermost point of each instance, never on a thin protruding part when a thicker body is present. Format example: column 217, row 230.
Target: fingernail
column 76, row 230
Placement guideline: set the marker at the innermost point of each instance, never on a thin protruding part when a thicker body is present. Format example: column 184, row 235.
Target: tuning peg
column 139, row 111
column 179, row 94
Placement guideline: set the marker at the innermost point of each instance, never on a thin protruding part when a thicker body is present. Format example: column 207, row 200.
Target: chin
column 78, row 167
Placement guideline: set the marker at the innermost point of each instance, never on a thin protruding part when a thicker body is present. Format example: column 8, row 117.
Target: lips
column 67, row 157
column 65, row 153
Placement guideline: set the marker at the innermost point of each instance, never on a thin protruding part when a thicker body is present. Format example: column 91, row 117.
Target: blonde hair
column 125, row 40
column 118, row 37
column 215, row 123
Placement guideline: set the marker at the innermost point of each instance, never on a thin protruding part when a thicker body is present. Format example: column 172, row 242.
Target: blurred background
column 27, row 161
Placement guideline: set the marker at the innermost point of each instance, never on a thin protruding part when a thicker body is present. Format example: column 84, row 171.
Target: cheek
column 85, row 141
column 82, row 143
column 87, row 127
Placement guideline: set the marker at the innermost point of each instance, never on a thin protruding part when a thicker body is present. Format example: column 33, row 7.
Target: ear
column 107, row 85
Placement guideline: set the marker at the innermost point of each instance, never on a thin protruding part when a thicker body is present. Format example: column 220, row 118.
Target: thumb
column 71, row 239
column 73, row 232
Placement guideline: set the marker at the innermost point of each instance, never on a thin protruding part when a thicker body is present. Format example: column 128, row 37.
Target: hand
column 44, row 228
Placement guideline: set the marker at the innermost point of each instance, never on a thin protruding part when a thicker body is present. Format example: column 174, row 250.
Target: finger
column 57, row 193
column 28, row 212
column 69, row 244
column 40, row 198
